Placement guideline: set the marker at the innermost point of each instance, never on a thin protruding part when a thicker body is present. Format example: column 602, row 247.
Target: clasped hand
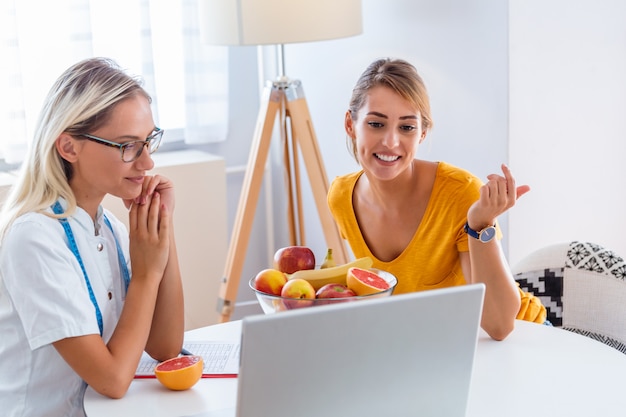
column 150, row 226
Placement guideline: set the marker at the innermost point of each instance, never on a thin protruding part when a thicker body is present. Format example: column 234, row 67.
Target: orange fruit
column 180, row 373
column 365, row 282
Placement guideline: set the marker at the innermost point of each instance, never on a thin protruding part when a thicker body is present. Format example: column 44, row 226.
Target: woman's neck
column 396, row 192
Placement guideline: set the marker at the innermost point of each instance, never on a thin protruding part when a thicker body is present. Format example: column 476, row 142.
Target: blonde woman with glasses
column 70, row 314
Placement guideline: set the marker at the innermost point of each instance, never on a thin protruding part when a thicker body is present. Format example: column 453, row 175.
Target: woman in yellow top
column 431, row 224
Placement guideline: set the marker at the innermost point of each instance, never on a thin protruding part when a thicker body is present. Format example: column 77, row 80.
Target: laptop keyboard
column 217, row 358
column 215, row 355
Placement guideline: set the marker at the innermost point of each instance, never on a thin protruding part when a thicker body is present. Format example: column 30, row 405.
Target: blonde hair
column 80, row 101
column 401, row 77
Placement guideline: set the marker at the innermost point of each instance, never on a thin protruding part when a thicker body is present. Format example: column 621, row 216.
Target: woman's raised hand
column 499, row 194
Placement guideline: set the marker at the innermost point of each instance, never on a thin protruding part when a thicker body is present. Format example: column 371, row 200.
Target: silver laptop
column 405, row 355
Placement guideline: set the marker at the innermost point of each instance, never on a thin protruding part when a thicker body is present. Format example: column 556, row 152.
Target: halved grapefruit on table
column 180, row 373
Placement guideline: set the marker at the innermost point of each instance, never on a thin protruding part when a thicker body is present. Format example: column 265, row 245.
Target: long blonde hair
column 80, row 101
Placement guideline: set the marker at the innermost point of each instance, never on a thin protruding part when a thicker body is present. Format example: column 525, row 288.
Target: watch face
column 487, row 234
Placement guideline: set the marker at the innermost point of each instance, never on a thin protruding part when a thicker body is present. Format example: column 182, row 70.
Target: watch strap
column 473, row 233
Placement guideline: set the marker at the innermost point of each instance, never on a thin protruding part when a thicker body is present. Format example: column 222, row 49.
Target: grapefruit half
column 365, row 282
column 180, row 373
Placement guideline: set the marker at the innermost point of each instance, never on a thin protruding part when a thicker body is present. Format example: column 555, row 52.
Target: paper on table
column 221, row 359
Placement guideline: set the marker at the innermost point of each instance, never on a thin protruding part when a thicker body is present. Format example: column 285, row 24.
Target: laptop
column 405, row 355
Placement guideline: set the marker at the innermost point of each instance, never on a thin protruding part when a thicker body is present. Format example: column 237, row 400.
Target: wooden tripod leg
column 287, row 148
column 270, row 103
column 305, row 135
column 297, row 195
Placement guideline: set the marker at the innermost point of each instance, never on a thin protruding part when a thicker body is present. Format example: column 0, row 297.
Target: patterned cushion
column 583, row 286
column 547, row 285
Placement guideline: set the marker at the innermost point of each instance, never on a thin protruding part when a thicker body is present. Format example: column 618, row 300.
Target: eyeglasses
column 130, row 151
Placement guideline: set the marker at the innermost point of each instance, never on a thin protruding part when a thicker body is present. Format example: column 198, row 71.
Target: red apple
column 297, row 293
column 270, row 281
column 294, row 258
column 334, row 291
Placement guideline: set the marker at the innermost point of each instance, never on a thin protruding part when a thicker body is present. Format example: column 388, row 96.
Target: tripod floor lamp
column 277, row 22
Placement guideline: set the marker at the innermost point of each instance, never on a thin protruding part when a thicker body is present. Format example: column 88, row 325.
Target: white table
column 536, row 371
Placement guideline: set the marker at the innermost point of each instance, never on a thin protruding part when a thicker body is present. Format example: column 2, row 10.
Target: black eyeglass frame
column 156, row 136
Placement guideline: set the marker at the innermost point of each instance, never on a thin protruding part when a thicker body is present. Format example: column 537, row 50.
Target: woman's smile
column 387, row 158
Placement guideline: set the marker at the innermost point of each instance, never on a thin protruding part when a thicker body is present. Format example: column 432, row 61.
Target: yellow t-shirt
column 431, row 260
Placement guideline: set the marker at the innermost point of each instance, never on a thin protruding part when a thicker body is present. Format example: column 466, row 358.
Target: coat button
column 100, row 247
column 110, row 295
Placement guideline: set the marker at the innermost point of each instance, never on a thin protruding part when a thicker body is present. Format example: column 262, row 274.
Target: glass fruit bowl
column 275, row 303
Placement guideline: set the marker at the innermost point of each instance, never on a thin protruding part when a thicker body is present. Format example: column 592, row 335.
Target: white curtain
column 156, row 39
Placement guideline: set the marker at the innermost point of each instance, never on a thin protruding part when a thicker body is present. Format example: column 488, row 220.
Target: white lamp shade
column 263, row 22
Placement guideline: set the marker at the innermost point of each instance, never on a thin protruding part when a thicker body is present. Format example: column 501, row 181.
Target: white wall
column 568, row 122
column 459, row 48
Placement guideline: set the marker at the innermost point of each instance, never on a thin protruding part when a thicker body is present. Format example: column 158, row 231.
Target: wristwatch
column 485, row 235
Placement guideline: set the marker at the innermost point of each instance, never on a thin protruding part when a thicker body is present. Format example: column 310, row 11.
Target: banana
column 332, row 275
column 329, row 261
